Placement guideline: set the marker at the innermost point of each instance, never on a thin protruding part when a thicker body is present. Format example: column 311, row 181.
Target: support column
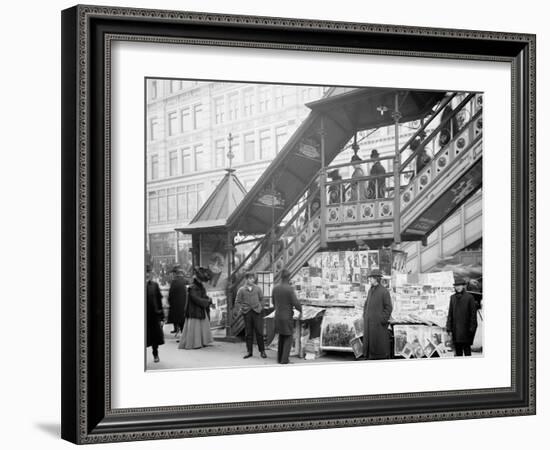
column 229, row 249
column 322, row 187
column 396, row 177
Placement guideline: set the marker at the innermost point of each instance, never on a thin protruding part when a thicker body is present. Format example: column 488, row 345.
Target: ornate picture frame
column 87, row 35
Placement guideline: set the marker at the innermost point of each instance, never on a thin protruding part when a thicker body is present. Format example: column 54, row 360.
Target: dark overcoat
column 155, row 335
column 376, row 317
column 284, row 299
column 462, row 318
column 177, row 299
column 198, row 303
column 380, row 183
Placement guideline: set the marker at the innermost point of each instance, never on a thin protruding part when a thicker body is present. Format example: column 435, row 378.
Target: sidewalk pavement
column 223, row 355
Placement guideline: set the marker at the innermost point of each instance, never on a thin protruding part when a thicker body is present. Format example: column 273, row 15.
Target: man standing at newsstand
column 376, row 318
column 284, row 299
column 177, row 299
column 462, row 320
column 249, row 298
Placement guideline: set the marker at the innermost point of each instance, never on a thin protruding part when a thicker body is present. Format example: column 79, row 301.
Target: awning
column 220, row 204
column 344, row 111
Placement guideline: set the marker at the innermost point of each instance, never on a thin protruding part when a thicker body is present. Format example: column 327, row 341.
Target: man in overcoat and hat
column 177, row 299
column 376, row 187
column 285, row 300
column 155, row 335
column 376, row 319
column 462, row 319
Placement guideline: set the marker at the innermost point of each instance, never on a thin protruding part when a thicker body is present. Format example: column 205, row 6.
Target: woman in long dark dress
column 196, row 330
column 155, row 335
column 177, row 299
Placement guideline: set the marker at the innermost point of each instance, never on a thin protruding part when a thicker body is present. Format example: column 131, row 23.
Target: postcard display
column 336, row 284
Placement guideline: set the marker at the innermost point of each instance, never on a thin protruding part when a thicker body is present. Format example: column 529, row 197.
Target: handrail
column 439, row 127
column 363, row 178
column 243, row 262
column 317, row 213
column 414, row 154
column 356, row 163
column 433, row 116
column 281, row 231
column 270, row 233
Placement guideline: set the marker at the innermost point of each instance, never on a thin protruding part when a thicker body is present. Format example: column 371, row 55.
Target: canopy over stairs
column 338, row 115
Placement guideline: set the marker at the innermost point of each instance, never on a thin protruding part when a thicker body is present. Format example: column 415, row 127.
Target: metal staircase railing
column 284, row 244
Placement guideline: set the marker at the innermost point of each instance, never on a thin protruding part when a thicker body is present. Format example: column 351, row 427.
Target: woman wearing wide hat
column 196, row 331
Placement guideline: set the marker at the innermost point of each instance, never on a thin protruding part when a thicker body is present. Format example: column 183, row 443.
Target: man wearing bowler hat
column 249, row 299
column 285, row 301
column 377, row 186
column 376, row 319
column 462, row 320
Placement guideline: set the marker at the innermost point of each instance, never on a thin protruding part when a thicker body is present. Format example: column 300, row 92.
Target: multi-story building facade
column 188, row 128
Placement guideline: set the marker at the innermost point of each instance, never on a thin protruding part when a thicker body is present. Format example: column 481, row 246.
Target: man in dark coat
column 334, row 190
column 249, row 299
column 284, row 299
column 177, row 299
column 462, row 320
column 155, row 335
column 376, row 318
column 376, row 187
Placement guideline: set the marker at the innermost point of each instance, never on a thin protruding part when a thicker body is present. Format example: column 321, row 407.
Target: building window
column 197, row 116
column 264, row 98
column 153, row 207
column 236, row 149
column 153, row 128
column 219, row 153
column 154, row 167
column 279, row 96
column 233, row 106
column 172, row 204
column 185, row 120
column 200, row 194
column 189, row 200
column 219, row 107
column 163, row 206
column 173, row 85
column 249, row 147
column 173, row 163
column 199, row 158
column 154, row 89
column 172, row 121
column 182, row 202
column 248, row 102
column 265, row 144
column 280, row 138
column 186, row 160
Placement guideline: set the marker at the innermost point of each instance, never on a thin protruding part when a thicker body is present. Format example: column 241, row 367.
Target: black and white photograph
column 307, row 224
